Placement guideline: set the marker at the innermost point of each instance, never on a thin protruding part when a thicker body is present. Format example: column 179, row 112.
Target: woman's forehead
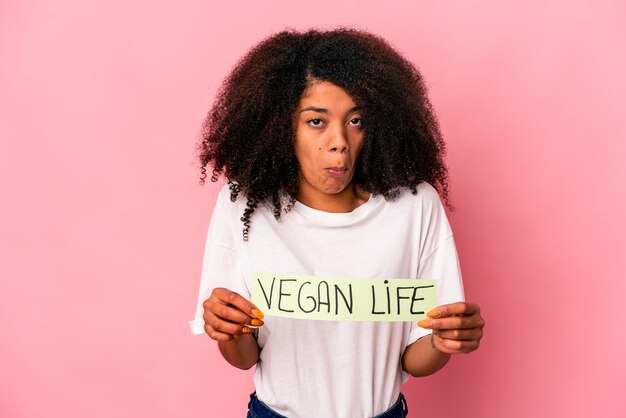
column 322, row 94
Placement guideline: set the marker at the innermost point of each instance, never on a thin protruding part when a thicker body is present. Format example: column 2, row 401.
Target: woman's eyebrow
column 315, row 109
column 323, row 110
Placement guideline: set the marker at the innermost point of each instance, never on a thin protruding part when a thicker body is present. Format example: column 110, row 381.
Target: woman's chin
column 336, row 189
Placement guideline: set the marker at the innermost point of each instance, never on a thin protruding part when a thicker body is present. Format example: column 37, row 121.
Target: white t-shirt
column 332, row 368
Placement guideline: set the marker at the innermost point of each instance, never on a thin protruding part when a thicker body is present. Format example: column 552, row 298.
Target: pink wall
column 103, row 221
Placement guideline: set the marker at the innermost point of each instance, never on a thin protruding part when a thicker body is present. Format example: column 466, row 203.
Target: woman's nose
column 338, row 140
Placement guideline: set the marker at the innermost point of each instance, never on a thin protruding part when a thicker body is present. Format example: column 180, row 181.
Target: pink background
column 103, row 221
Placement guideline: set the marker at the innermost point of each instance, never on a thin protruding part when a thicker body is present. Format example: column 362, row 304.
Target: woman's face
column 328, row 140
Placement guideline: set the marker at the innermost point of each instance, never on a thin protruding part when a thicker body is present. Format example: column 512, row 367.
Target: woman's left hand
column 457, row 327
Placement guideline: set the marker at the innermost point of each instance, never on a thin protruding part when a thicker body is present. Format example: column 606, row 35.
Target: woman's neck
column 343, row 202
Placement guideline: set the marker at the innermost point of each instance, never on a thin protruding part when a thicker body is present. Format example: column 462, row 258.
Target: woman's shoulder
column 425, row 195
column 223, row 195
column 424, row 203
column 225, row 198
column 427, row 191
column 225, row 210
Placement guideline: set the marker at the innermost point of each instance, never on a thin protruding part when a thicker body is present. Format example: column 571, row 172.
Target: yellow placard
column 343, row 299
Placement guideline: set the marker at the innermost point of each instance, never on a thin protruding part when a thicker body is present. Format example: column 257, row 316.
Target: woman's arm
column 226, row 318
column 422, row 359
column 242, row 352
column 457, row 328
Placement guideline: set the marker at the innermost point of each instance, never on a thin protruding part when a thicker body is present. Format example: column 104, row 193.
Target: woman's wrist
column 242, row 352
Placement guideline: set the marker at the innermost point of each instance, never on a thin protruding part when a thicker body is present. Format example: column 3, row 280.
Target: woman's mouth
column 337, row 171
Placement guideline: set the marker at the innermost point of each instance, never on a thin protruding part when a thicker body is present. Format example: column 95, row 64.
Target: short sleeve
column 438, row 259
column 221, row 264
column 441, row 265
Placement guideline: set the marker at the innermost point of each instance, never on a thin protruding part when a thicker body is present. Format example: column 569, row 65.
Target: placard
column 343, row 299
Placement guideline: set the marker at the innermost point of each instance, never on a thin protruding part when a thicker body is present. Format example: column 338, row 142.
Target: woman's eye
column 356, row 121
column 315, row 122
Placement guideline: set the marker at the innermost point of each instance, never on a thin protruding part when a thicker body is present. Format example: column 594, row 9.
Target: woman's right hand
column 227, row 314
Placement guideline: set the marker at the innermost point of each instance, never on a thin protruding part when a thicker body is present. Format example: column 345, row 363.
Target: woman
column 334, row 161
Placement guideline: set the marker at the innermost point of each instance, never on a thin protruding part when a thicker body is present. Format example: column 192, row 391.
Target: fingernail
column 256, row 313
column 256, row 322
column 440, row 340
column 434, row 313
column 424, row 323
column 246, row 330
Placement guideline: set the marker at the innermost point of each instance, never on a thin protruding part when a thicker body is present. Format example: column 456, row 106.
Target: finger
column 457, row 346
column 221, row 336
column 228, row 313
column 461, row 334
column 457, row 308
column 225, row 327
column 216, row 335
column 235, row 299
column 219, row 327
column 453, row 322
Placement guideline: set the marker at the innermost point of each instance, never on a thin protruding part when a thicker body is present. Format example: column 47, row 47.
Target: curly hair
column 248, row 135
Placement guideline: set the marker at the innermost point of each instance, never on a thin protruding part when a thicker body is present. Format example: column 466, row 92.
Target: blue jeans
column 257, row 409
